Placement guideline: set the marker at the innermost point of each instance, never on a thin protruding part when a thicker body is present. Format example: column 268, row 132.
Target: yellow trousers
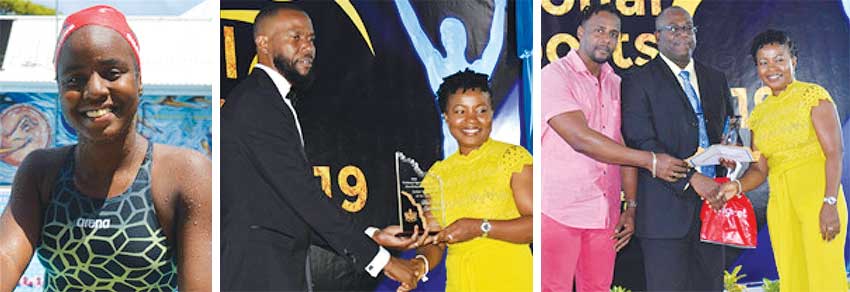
column 804, row 260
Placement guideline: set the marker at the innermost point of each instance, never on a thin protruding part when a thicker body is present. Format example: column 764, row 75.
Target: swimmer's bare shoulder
column 185, row 176
column 39, row 171
column 20, row 223
column 183, row 169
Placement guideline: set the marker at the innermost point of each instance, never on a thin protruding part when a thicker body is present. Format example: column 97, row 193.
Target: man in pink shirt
column 582, row 153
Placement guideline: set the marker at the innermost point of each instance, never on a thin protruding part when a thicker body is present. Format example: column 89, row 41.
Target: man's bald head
column 264, row 21
column 661, row 20
column 283, row 35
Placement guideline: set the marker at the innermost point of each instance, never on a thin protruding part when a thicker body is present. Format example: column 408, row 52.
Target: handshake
column 670, row 169
column 715, row 193
column 410, row 272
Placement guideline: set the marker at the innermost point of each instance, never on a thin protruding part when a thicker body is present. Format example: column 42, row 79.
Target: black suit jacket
column 272, row 208
column 657, row 116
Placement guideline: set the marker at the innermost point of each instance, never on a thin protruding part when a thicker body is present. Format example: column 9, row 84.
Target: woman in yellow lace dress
column 797, row 130
column 487, row 196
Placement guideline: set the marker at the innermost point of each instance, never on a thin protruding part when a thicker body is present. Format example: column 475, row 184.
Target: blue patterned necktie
column 697, row 106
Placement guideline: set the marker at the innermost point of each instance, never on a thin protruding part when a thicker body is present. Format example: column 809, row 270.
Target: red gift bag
column 734, row 225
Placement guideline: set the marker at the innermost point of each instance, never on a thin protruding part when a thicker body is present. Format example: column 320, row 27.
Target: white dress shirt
column 690, row 68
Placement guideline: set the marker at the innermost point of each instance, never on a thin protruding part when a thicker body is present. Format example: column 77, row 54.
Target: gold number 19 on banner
column 359, row 191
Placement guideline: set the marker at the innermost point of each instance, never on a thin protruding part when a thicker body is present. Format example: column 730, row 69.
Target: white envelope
column 712, row 155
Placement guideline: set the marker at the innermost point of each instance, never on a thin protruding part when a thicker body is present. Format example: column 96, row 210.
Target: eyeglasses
column 687, row 29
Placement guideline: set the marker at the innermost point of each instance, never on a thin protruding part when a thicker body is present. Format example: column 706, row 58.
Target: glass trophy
column 731, row 137
column 420, row 199
column 730, row 131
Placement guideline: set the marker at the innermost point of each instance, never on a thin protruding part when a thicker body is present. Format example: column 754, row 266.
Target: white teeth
column 470, row 131
column 98, row 113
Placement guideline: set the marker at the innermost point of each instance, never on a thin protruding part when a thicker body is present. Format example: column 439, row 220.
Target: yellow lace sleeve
column 514, row 159
column 812, row 95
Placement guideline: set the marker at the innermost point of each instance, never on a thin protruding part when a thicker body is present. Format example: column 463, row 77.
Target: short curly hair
column 465, row 80
column 772, row 36
column 593, row 9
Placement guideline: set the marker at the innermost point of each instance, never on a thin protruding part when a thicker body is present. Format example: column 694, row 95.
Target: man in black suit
column 674, row 105
column 272, row 209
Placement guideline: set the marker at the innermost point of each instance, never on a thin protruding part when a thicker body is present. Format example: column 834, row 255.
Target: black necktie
column 291, row 96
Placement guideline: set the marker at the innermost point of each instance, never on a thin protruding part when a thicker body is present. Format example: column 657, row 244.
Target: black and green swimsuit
column 113, row 244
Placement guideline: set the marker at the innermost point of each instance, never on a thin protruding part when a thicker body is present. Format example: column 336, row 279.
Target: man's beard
column 287, row 68
column 601, row 60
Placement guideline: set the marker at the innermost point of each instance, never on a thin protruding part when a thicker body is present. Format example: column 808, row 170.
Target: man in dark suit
column 272, row 209
column 674, row 105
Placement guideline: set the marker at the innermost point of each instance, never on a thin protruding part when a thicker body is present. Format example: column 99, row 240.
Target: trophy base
column 410, row 233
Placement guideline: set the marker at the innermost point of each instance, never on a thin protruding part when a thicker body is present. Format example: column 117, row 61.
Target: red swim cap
column 101, row 15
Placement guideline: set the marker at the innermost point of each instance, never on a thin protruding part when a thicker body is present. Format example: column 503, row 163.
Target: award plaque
column 419, row 199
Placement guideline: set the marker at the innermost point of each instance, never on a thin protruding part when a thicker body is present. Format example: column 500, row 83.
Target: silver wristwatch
column 485, row 227
column 631, row 204
column 830, row 200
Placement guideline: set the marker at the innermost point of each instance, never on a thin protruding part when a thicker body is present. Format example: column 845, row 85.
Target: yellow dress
column 478, row 185
column 784, row 133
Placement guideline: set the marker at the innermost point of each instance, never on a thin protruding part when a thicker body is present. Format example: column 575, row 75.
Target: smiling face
column 469, row 116
column 775, row 66
column 678, row 46
column 99, row 85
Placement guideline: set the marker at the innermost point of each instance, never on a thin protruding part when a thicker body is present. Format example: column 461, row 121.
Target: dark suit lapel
column 711, row 103
column 662, row 72
column 270, row 92
column 705, row 94
column 271, row 95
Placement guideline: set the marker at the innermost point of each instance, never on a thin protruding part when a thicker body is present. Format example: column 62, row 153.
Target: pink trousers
column 584, row 254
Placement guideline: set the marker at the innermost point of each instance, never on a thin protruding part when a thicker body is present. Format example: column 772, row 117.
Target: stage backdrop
column 377, row 68
column 726, row 29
